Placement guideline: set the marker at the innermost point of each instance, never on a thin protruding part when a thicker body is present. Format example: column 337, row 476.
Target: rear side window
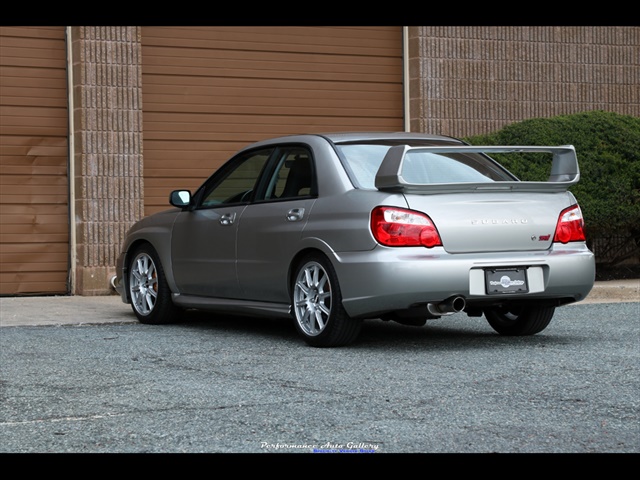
column 293, row 176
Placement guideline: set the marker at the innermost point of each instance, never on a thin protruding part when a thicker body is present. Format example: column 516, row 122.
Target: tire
column 319, row 315
column 519, row 320
column 148, row 288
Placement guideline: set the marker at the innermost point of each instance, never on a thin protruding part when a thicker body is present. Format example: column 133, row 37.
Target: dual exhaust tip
column 449, row 306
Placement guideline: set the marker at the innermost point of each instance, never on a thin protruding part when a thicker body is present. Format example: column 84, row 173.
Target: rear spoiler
column 564, row 170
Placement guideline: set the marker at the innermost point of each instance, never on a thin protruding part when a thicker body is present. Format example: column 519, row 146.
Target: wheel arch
column 164, row 259
column 309, row 246
column 126, row 261
column 295, row 261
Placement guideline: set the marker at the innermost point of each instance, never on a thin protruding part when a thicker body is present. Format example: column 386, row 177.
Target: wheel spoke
column 303, row 288
column 150, row 300
column 308, row 277
column 323, row 309
column 320, row 320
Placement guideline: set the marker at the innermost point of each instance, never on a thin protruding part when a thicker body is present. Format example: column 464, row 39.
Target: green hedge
column 608, row 149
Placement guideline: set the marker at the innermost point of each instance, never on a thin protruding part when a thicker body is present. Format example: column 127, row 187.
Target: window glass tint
column 293, row 176
column 236, row 186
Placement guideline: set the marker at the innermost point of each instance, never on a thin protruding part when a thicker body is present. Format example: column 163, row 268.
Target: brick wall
column 107, row 148
column 468, row 80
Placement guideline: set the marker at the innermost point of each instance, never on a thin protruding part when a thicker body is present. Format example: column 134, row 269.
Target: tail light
column 398, row 227
column 570, row 227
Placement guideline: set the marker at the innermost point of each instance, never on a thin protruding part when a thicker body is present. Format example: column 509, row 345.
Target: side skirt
column 230, row 305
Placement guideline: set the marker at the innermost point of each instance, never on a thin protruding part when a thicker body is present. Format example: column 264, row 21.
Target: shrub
column 608, row 149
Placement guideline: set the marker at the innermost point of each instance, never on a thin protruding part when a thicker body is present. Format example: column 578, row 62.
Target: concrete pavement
column 63, row 310
column 78, row 310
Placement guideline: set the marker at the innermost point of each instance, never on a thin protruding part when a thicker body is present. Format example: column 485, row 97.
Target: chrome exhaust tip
column 449, row 306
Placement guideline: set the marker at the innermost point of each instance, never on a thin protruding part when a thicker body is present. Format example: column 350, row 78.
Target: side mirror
column 180, row 198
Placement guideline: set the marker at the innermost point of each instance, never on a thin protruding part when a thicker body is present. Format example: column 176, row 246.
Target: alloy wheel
column 312, row 298
column 143, row 284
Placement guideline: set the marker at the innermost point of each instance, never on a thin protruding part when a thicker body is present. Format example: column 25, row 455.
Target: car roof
column 341, row 137
column 364, row 136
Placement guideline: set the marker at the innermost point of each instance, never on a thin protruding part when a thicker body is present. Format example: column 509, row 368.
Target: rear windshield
column 419, row 167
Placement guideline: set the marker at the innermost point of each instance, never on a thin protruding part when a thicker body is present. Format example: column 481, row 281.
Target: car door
column 270, row 229
column 203, row 243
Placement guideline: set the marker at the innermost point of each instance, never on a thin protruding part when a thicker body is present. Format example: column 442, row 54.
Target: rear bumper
column 388, row 279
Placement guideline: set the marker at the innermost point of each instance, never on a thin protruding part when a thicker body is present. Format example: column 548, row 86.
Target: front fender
column 155, row 230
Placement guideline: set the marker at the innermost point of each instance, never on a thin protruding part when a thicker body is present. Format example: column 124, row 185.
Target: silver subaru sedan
column 334, row 229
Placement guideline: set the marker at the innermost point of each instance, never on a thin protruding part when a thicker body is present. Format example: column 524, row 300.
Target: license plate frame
column 500, row 281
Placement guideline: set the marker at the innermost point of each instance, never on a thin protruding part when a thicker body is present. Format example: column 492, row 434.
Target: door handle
column 295, row 214
column 227, row 218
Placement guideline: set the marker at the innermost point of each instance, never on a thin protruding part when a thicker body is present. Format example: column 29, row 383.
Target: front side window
column 237, row 183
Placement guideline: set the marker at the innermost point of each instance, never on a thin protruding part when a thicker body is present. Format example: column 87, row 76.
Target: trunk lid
column 491, row 222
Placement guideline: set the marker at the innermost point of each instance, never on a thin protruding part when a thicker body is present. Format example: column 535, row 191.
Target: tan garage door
column 210, row 90
column 34, row 239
